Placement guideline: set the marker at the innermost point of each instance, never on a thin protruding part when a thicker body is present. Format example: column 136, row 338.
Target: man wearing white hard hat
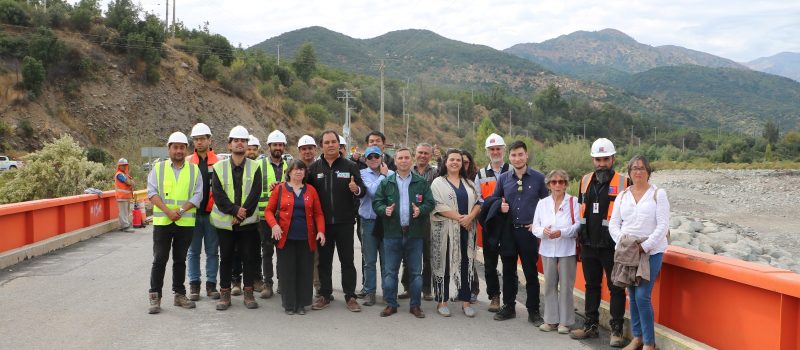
column 486, row 180
column 123, row 191
column 204, row 233
column 253, row 146
column 175, row 189
column 236, row 187
column 598, row 190
column 272, row 170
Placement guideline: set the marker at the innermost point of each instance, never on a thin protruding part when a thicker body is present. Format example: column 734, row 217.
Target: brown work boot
column 155, row 303
column 388, row 311
column 321, row 303
column 237, row 288
column 184, row 302
column 258, row 286
column 635, row 344
column 588, row 331
column 224, row 301
column 616, row 340
column 211, row 290
column 249, row 298
column 494, row 305
column 194, row 292
column 267, row 293
column 417, row 312
column 352, row 305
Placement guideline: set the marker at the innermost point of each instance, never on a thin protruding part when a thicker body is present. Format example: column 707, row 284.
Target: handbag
column 277, row 214
column 578, row 239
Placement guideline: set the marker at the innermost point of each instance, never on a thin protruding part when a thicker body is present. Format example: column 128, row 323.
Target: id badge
column 595, row 208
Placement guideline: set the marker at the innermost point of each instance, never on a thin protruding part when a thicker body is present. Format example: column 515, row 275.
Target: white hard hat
column 276, row 136
column 177, row 137
column 494, row 140
column 342, row 141
column 253, row 141
column 603, row 148
column 306, row 140
column 122, row 161
column 239, row 132
column 200, row 129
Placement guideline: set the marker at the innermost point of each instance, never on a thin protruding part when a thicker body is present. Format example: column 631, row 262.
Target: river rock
column 696, row 226
column 725, row 236
column 705, row 248
column 709, row 229
column 674, row 222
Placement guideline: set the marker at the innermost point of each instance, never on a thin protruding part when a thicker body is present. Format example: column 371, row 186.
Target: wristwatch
column 181, row 211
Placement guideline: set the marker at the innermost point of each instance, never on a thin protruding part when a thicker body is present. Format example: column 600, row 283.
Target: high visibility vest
column 268, row 177
column 174, row 193
column 224, row 170
column 121, row 189
column 618, row 184
column 211, row 158
column 487, row 180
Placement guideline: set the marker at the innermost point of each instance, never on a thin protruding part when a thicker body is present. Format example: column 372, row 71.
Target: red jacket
column 212, row 159
column 315, row 220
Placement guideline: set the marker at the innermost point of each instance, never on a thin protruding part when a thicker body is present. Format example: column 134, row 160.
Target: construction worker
column 597, row 193
column 236, row 186
column 486, row 180
column 123, row 190
column 175, row 188
column 253, row 147
column 272, row 169
column 204, row 233
column 253, row 152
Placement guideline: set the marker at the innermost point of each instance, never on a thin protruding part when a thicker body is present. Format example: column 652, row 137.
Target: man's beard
column 603, row 175
column 276, row 154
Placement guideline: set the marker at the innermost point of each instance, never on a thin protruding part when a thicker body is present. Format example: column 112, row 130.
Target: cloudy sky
column 741, row 30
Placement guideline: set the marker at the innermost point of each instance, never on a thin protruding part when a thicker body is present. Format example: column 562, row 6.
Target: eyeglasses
column 373, row 156
column 558, row 182
column 636, row 168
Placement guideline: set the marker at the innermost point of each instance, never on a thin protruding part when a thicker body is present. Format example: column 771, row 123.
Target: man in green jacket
column 401, row 202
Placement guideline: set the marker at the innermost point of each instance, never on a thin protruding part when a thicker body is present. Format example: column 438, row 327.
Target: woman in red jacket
column 300, row 223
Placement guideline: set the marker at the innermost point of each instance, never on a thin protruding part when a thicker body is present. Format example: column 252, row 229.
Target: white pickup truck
column 6, row 163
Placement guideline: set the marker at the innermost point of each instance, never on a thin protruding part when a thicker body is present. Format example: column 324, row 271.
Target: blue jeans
column 203, row 232
column 370, row 248
column 410, row 250
column 642, row 319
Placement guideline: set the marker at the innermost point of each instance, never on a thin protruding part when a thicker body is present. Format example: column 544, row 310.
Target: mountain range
column 785, row 64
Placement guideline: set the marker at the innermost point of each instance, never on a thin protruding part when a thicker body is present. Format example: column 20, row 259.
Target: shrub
column 211, row 67
column 318, row 113
column 12, row 12
column 13, row 46
column 82, row 14
column 290, row 108
column 266, row 89
column 45, row 47
column 570, row 156
column 26, row 128
column 285, row 75
column 98, row 155
column 33, row 75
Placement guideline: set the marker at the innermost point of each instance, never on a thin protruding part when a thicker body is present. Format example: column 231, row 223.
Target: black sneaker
column 506, row 312
column 536, row 319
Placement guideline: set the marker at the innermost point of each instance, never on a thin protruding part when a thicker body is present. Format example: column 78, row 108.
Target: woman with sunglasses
column 556, row 222
column 453, row 233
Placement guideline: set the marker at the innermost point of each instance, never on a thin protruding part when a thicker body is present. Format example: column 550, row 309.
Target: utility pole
column 458, row 116
column 655, row 135
column 381, row 67
column 173, row 18
column 166, row 18
column 631, row 134
column 509, row 123
column 584, row 130
column 683, row 144
column 345, row 95
column 404, row 116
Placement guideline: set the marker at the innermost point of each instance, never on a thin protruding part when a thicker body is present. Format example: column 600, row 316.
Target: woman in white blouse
column 556, row 222
column 642, row 211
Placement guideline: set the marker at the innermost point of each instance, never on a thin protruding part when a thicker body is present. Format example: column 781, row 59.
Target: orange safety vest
column 487, row 180
column 121, row 189
column 212, row 159
column 618, row 184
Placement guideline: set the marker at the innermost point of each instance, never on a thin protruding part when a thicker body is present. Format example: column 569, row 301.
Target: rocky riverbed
column 750, row 215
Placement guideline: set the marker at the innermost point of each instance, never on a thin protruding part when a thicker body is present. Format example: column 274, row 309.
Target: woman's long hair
column 461, row 172
column 472, row 169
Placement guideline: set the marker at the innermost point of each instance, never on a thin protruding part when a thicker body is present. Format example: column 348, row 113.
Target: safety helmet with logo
column 603, row 147
column 122, row 161
column 253, row 141
column 494, row 140
column 342, row 141
column 306, row 140
column 239, row 132
column 177, row 137
column 200, row 129
column 276, row 136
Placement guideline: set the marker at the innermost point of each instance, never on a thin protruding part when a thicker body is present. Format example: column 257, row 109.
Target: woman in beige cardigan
column 453, row 233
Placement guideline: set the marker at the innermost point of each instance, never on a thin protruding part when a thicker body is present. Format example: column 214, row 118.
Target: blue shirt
column 372, row 179
column 405, row 204
column 298, row 228
column 122, row 178
column 522, row 204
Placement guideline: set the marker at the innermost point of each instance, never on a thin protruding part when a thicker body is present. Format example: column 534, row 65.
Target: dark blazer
column 495, row 224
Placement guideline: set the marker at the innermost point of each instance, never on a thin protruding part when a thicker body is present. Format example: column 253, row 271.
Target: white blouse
column 546, row 215
column 648, row 218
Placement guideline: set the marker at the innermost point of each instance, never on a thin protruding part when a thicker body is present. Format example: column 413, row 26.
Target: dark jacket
column 332, row 184
column 388, row 193
column 496, row 223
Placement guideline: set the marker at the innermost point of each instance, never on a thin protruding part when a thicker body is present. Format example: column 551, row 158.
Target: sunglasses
column 519, row 186
column 373, row 156
column 558, row 182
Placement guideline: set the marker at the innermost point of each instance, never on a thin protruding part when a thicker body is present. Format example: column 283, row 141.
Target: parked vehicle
column 8, row 163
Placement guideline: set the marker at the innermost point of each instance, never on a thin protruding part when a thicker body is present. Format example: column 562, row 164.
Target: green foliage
column 290, row 108
column 285, row 75
column 98, row 155
column 485, row 128
column 305, row 62
column 12, row 12
column 570, row 156
column 122, row 15
column 26, row 128
column 771, row 132
column 318, row 113
column 211, row 67
column 300, row 91
column 59, row 169
column 789, row 147
column 13, row 46
column 46, row 47
column 33, row 75
column 81, row 16
column 3, row 129
column 266, row 89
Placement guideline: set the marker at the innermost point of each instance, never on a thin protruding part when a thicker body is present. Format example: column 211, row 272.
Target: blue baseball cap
column 372, row 150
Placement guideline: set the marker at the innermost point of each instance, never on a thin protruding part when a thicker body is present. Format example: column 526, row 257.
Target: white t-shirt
column 647, row 218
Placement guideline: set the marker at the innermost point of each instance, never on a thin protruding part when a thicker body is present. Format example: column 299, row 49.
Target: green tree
column 305, row 62
column 771, row 132
column 211, row 67
column 33, row 75
column 768, row 154
column 122, row 15
column 318, row 113
column 12, row 12
column 789, row 147
column 81, row 16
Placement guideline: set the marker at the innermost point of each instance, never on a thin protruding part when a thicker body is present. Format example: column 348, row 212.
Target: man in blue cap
column 371, row 245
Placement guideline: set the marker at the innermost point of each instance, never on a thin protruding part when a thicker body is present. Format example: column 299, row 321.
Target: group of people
column 427, row 218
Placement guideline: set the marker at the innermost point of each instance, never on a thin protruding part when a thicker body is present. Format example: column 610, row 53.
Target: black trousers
column 426, row 264
column 177, row 238
column 295, row 262
column 267, row 251
column 340, row 237
column 595, row 262
column 527, row 247
column 247, row 243
column 490, row 259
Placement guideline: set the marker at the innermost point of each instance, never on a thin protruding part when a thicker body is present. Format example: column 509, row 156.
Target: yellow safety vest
column 174, row 193
column 224, row 171
column 268, row 176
